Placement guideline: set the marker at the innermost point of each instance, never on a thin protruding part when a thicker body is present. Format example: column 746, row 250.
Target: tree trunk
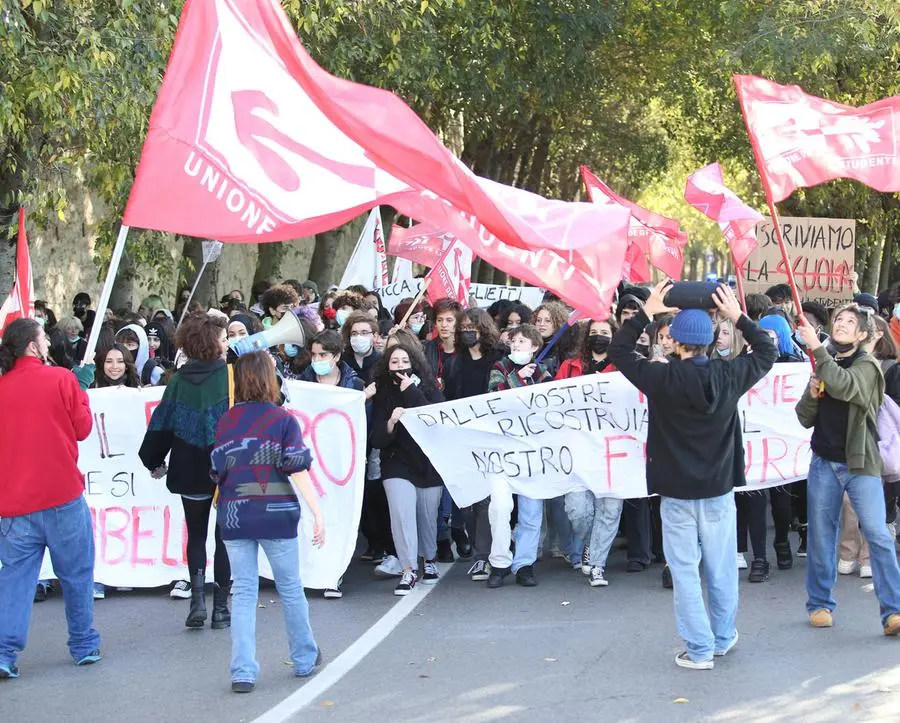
column 538, row 161
column 268, row 261
column 887, row 257
column 868, row 280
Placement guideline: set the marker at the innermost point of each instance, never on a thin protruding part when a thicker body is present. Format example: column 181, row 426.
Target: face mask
column 399, row 374
column 361, row 344
column 599, row 343
column 520, row 358
column 321, row 368
column 643, row 349
column 416, row 327
column 40, row 320
column 469, row 339
column 341, row 316
column 291, row 351
column 73, row 339
column 897, row 310
column 723, row 352
column 840, row 348
column 329, row 314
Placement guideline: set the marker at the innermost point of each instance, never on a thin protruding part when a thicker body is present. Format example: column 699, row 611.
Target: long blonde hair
column 737, row 340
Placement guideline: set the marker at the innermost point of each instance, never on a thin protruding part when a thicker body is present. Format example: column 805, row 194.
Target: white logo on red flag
column 802, row 140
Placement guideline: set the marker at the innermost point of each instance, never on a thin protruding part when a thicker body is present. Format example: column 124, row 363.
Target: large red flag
column 801, row 140
column 250, row 140
column 20, row 302
column 421, row 244
column 705, row 190
column 655, row 235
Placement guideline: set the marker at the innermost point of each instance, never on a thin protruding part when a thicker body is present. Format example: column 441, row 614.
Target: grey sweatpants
column 414, row 512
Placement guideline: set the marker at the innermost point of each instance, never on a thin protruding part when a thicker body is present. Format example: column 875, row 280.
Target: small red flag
column 20, row 302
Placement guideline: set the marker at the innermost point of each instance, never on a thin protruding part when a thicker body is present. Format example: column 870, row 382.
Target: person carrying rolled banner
column 695, row 458
column 841, row 405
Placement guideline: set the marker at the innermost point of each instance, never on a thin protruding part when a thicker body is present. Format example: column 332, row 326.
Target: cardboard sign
column 822, row 252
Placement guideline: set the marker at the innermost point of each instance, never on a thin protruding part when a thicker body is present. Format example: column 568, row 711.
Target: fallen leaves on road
column 565, row 602
column 326, row 704
column 550, row 660
column 681, row 700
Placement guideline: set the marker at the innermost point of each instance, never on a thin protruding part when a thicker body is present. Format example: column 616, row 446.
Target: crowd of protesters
column 693, row 365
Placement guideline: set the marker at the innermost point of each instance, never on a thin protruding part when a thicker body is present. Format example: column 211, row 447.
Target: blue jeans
column 528, row 532
column 595, row 521
column 449, row 516
column 284, row 557
column 824, row 494
column 695, row 533
column 67, row 532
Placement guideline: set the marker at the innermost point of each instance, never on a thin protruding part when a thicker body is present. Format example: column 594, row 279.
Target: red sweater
column 574, row 367
column 43, row 416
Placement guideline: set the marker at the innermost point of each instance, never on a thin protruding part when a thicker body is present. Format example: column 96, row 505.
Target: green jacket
column 862, row 386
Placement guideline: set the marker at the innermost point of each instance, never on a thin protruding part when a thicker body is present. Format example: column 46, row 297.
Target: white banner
column 485, row 294
column 591, row 432
column 139, row 530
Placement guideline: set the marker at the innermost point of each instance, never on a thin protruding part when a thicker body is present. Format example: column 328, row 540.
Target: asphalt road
column 562, row 651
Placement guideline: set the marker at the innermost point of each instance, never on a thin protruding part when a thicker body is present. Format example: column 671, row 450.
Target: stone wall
column 62, row 256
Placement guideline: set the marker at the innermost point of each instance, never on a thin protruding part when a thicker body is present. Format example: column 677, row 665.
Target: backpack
column 888, row 429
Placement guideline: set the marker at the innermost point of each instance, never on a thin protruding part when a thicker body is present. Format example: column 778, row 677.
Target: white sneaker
column 865, row 571
column 597, row 579
column 389, row 567
column 892, row 528
column 586, row 561
column 181, row 590
column 99, row 591
column 741, row 561
column 846, row 567
column 683, row 661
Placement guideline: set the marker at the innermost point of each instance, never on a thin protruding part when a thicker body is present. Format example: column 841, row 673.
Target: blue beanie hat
column 693, row 327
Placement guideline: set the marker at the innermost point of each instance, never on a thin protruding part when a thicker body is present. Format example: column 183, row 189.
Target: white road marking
column 334, row 670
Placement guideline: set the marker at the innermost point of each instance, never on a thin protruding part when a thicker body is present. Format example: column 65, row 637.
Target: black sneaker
column 40, row 593
column 8, row 672
column 759, row 571
column 406, row 584
column 525, row 577
column 444, row 552
column 667, row 578
column 586, row 561
column 242, row 686
column 801, row 550
column 93, row 657
column 368, row 555
column 334, row 593
column 783, row 556
column 495, row 579
column 430, row 576
column 635, row 566
column 480, row 571
column 463, row 548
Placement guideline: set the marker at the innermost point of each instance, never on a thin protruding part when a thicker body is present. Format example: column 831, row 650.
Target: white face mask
column 520, row 357
column 341, row 316
column 361, row 344
column 897, row 310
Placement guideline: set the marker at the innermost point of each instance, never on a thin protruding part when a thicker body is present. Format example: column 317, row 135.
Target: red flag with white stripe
column 20, row 302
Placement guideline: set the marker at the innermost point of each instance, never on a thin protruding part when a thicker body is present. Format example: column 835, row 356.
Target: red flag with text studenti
column 800, row 140
column 251, row 141
column 706, row 191
column 20, row 302
column 657, row 236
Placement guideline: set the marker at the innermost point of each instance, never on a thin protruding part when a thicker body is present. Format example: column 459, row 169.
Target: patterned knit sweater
column 258, row 446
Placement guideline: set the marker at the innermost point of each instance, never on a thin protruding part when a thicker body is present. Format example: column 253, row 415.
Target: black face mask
column 840, row 348
column 599, row 343
column 469, row 338
column 398, row 375
column 643, row 349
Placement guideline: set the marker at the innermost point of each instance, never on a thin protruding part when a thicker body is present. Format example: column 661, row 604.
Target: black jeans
column 638, row 530
column 196, row 518
column 375, row 520
column 751, row 517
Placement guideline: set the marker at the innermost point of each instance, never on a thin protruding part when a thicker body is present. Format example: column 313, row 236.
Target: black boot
column 197, row 614
column 221, row 617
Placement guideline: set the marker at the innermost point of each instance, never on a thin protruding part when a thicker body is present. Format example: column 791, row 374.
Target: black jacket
column 444, row 366
column 367, row 370
column 400, row 455
column 694, row 444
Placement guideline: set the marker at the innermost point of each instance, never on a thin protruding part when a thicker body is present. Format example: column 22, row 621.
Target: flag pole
column 740, row 283
column 114, row 262
column 788, row 267
column 193, row 289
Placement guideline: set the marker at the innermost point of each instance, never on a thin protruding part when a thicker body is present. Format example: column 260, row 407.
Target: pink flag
column 800, row 140
column 20, row 302
column 655, row 235
column 251, row 141
column 706, row 192
column 450, row 260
